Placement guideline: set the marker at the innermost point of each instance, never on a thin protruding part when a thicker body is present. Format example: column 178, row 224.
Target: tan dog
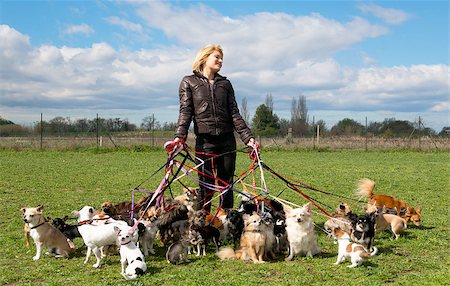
column 46, row 235
column 385, row 221
column 253, row 242
column 188, row 197
column 339, row 219
column 365, row 188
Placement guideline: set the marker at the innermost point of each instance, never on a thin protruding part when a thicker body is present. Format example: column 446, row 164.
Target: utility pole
column 153, row 129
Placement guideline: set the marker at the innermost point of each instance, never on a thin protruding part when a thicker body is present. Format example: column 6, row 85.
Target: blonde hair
column 203, row 54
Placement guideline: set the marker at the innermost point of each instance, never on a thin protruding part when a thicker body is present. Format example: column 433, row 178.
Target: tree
column 265, row 123
column 269, row 102
column 81, row 125
column 299, row 116
column 149, row 123
column 244, row 111
column 169, row 126
column 374, row 128
column 347, row 126
column 5, row 121
column 445, row 131
column 323, row 130
column 59, row 124
column 396, row 128
column 284, row 126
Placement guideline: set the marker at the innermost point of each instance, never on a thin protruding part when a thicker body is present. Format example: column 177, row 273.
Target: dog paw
column 35, row 258
column 96, row 265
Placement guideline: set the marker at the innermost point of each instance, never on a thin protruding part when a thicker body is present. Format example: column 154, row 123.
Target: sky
column 125, row 59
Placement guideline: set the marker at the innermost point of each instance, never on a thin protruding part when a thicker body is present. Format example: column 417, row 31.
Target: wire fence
column 367, row 143
column 63, row 133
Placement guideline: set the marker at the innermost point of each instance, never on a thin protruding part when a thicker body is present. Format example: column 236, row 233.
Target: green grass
column 65, row 181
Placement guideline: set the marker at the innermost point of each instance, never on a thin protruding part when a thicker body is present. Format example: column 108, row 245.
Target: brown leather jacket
column 213, row 108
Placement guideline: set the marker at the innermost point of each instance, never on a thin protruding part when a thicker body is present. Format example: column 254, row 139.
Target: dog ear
column 40, row 208
column 117, row 230
column 287, row 209
column 75, row 213
column 23, row 210
column 418, row 210
column 307, row 207
column 65, row 218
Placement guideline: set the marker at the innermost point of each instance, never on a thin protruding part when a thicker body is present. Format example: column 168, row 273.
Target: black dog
column 236, row 225
column 363, row 229
column 176, row 212
column 70, row 231
column 200, row 236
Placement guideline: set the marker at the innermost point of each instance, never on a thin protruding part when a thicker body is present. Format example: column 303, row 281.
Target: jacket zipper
column 211, row 88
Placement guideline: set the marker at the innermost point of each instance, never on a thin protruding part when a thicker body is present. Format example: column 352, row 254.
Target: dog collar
column 85, row 222
column 126, row 243
column 36, row 226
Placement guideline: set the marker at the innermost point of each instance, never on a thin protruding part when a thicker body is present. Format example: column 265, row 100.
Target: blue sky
column 350, row 59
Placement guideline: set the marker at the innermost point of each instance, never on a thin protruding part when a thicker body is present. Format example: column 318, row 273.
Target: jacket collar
column 216, row 78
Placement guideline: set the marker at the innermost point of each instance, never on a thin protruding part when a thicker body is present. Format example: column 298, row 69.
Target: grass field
column 67, row 180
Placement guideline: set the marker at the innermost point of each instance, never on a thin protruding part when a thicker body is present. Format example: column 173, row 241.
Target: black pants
column 219, row 155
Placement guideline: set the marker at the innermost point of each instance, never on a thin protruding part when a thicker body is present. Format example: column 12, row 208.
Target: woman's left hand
column 253, row 143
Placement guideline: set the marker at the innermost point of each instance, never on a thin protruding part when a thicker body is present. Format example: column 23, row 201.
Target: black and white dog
column 363, row 230
column 131, row 254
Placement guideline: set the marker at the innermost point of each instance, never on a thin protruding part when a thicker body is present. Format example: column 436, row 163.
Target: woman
column 207, row 98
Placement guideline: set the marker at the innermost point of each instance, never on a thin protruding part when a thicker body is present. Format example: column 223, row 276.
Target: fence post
column 96, row 127
column 367, row 134
column 41, row 131
column 318, row 135
column 420, row 133
column 314, row 135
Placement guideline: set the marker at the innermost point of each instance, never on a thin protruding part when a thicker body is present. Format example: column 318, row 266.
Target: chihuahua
column 131, row 254
column 46, row 235
column 355, row 251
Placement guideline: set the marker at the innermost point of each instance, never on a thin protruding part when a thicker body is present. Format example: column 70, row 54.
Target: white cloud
column 127, row 25
column 276, row 53
column 388, row 15
column 79, row 29
column 367, row 60
column 441, row 107
column 253, row 41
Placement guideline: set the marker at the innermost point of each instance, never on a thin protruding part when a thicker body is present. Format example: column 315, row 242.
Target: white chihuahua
column 300, row 232
column 130, row 253
column 97, row 235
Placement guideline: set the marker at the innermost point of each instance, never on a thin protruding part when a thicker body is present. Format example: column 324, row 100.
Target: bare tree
column 269, row 102
column 244, row 111
column 299, row 116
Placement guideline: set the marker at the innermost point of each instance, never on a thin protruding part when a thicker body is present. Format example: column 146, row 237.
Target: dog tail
column 365, row 187
column 71, row 244
column 374, row 251
column 226, row 253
